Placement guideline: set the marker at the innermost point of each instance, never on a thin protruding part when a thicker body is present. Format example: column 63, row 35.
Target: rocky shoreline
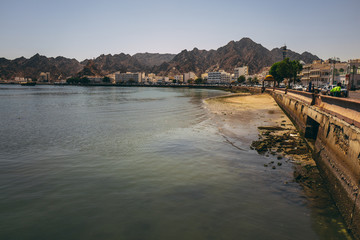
column 257, row 123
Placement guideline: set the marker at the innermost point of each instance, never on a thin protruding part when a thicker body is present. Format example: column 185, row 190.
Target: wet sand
column 252, row 118
column 256, row 122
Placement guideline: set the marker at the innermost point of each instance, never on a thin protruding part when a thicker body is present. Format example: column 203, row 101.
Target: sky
column 85, row 29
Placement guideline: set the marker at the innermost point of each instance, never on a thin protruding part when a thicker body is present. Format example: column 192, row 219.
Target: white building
column 220, row 77
column 241, row 71
column 188, row 76
column 162, row 80
column 179, row 78
column 21, row 79
column 150, row 78
column 129, row 77
column 214, row 77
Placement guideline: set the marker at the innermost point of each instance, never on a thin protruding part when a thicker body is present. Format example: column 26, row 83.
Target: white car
column 298, row 88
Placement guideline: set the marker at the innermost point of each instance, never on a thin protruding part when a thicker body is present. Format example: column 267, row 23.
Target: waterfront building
column 305, row 74
column 354, row 72
column 321, row 73
column 241, row 71
column 338, row 73
column 318, row 73
column 225, row 78
column 129, row 77
column 204, row 76
column 179, row 78
column 150, row 78
column 214, row 77
column 220, row 77
column 44, row 77
column 21, row 79
column 162, row 80
column 189, row 76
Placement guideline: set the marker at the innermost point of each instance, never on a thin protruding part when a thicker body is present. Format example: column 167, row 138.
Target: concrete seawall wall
column 336, row 149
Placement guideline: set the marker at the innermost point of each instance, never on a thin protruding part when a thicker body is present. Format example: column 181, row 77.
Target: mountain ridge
column 234, row 54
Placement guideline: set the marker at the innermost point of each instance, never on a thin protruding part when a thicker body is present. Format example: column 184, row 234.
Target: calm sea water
column 139, row 163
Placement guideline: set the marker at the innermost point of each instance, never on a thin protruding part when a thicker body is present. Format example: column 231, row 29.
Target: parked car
column 299, row 88
column 327, row 90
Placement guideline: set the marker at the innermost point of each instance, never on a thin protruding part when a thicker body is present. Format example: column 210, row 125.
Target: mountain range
column 244, row 52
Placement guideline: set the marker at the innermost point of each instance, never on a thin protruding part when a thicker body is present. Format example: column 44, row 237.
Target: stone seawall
column 335, row 144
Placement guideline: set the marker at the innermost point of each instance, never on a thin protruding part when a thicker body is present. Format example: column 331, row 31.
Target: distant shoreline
column 228, row 88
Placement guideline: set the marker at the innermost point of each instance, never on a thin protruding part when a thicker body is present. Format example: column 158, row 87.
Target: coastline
column 239, row 115
column 257, row 123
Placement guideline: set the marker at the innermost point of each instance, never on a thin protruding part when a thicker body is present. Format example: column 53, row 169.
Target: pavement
column 354, row 95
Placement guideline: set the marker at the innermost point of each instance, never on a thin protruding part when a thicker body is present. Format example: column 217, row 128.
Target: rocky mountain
column 21, row 67
column 118, row 62
column 240, row 53
column 305, row 56
column 153, row 59
column 234, row 54
column 90, row 69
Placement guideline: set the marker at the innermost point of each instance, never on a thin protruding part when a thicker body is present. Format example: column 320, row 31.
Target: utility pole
column 284, row 49
column 333, row 71
column 353, row 78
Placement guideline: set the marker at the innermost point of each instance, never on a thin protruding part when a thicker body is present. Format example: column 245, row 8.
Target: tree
column 73, row 80
column 199, row 81
column 249, row 80
column 131, row 81
column 77, row 80
column 84, row 80
column 285, row 69
column 106, row 80
column 241, row 79
column 296, row 68
column 255, row 81
column 274, row 72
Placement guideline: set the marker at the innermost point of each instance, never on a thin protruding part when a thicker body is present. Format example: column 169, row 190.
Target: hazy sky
column 85, row 28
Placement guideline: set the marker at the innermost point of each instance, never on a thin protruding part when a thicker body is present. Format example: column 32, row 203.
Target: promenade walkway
column 347, row 109
column 354, row 94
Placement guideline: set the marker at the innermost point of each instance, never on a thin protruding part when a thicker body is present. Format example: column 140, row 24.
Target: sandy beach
column 244, row 116
column 257, row 123
column 239, row 115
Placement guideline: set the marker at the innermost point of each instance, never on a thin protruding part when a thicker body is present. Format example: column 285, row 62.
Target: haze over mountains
column 234, row 54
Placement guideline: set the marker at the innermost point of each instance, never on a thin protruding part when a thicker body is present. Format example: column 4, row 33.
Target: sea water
column 140, row 163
